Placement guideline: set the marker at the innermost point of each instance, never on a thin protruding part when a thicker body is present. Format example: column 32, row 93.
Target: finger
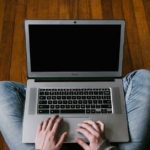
column 55, row 126
column 84, row 132
column 93, row 124
column 51, row 123
column 82, row 144
column 61, row 140
column 39, row 128
column 101, row 125
column 90, row 129
column 44, row 125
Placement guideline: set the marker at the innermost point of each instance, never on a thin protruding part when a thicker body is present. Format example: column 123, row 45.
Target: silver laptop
column 75, row 70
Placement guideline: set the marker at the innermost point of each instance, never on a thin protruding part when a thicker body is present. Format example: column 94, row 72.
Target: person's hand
column 46, row 135
column 94, row 132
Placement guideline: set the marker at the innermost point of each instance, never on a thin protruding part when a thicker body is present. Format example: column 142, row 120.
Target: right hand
column 94, row 132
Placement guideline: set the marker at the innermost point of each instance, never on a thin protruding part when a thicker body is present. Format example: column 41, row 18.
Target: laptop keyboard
column 74, row 101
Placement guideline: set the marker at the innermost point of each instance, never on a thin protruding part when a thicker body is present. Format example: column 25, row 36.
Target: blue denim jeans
column 137, row 96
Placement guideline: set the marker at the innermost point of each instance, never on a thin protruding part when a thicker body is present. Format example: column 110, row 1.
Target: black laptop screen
column 74, row 47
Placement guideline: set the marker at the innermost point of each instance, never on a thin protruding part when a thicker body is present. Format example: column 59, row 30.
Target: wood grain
column 107, row 9
column 147, row 11
column 32, row 9
column 132, row 35
column 143, row 31
column 2, row 10
column 96, row 9
column 84, row 9
column 7, row 39
column 117, row 9
column 18, row 65
column 14, row 12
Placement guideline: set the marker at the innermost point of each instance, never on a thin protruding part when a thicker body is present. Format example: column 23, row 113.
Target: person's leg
column 137, row 91
column 12, row 96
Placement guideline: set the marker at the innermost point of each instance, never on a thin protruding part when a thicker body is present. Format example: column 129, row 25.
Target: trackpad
column 70, row 125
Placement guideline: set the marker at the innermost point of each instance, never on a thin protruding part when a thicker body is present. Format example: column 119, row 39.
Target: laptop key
column 88, row 111
column 43, row 106
column 43, row 111
column 77, row 111
column 41, row 93
column 42, row 97
column 42, row 102
column 56, row 111
column 105, row 106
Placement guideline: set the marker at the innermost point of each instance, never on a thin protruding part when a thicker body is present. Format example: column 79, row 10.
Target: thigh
column 12, row 96
column 137, row 90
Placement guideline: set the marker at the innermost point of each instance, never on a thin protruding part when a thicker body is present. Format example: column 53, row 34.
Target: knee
column 6, row 87
column 9, row 96
column 142, row 75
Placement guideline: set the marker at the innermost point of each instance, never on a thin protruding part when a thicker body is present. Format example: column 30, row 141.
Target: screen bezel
column 67, row 74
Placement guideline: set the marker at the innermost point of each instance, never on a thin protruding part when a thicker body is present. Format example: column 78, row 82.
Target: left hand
column 46, row 135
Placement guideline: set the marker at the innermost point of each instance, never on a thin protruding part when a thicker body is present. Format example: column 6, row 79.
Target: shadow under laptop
column 71, row 146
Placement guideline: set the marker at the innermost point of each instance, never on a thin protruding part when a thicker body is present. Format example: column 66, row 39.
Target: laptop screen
column 76, row 48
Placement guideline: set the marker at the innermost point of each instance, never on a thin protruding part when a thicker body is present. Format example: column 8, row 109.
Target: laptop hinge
column 74, row 79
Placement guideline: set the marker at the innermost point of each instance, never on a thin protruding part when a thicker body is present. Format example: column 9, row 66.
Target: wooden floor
column 136, row 13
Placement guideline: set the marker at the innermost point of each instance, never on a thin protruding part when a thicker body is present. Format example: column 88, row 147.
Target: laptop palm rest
column 70, row 125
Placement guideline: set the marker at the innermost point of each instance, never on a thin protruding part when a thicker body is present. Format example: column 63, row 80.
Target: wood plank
column 84, row 9
column 2, row 9
column 107, row 9
column 7, row 39
column 3, row 145
column 96, row 9
column 43, row 9
column 117, row 10
column 64, row 9
column 127, row 61
column 18, row 60
column 147, row 11
column 73, row 9
column 143, row 31
column 1, row 141
column 32, row 9
column 132, row 35
column 53, row 9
